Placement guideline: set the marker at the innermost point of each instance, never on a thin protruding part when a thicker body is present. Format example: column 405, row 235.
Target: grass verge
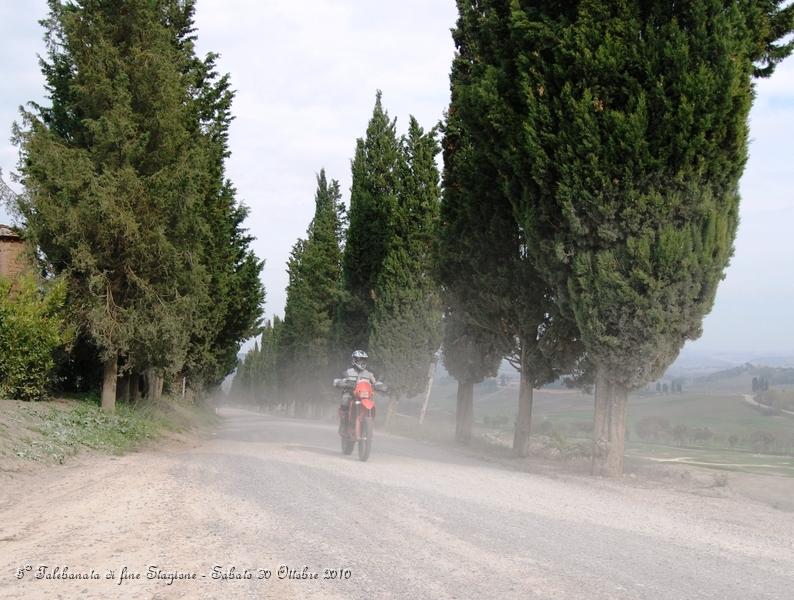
column 54, row 430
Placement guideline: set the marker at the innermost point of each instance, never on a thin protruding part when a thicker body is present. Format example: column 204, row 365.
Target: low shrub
column 32, row 327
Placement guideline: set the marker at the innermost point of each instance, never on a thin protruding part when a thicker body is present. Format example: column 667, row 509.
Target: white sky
column 306, row 74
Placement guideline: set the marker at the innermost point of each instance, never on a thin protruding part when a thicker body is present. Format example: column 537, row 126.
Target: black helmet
column 359, row 360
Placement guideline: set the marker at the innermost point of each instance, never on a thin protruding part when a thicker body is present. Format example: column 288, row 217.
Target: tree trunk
column 302, row 408
column 617, row 431
column 154, row 386
column 135, row 388
column 430, row 378
column 609, row 426
column 600, row 421
column 391, row 410
column 109, row 374
column 464, row 415
column 123, row 389
column 524, row 420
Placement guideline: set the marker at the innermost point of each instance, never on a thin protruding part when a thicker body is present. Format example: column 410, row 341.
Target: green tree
column 405, row 322
column 470, row 354
column 620, row 132
column 313, row 296
column 107, row 171
column 489, row 278
column 126, row 195
column 267, row 385
column 243, row 387
column 256, row 379
column 376, row 169
column 468, row 254
column 231, row 308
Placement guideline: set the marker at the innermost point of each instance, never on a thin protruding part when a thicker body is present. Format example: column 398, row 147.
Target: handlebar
column 350, row 383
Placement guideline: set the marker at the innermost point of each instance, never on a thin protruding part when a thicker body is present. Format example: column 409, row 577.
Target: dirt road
column 267, row 497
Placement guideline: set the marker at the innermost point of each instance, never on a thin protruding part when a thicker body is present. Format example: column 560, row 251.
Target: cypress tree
column 470, row 354
column 232, row 303
column 256, row 379
column 620, row 132
column 313, row 295
column 267, row 385
column 229, row 303
column 247, row 376
column 126, row 192
column 473, row 345
column 491, row 284
column 405, row 322
column 108, row 169
column 376, row 170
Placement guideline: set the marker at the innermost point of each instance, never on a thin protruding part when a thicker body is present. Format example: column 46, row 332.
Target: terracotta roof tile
column 8, row 232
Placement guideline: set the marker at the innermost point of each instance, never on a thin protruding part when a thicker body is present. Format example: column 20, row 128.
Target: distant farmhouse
column 12, row 253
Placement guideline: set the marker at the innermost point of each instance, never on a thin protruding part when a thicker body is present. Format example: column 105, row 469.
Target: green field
column 570, row 412
column 722, row 459
column 723, row 412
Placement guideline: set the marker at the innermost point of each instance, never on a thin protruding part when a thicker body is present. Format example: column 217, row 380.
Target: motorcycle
column 358, row 416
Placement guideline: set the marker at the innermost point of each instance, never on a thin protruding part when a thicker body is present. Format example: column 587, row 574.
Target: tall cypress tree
column 127, row 195
column 376, row 169
column 232, row 305
column 256, row 379
column 313, row 296
column 470, row 354
column 620, row 133
column 109, row 170
column 496, row 298
column 473, row 345
column 267, row 385
column 405, row 322
column 246, row 376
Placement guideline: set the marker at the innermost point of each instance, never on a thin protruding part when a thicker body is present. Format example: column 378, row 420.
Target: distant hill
column 693, row 364
column 775, row 375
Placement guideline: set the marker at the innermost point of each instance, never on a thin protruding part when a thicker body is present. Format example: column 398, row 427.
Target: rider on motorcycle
column 356, row 372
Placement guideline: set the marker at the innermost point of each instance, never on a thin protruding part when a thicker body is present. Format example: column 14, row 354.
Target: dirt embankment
column 37, row 434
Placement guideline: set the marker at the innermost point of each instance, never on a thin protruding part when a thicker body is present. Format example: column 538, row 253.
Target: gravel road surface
column 268, row 501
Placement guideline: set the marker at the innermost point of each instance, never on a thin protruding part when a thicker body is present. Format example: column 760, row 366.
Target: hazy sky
column 306, row 74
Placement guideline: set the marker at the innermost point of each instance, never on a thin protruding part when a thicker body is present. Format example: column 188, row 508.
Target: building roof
column 8, row 232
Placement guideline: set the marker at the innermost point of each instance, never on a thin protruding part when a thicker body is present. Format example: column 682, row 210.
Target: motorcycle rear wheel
column 365, row 443
column 347, row 445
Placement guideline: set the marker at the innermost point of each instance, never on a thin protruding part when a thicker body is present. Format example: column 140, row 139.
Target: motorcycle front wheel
column 365, row 443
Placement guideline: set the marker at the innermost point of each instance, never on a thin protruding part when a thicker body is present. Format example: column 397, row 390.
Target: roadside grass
column 436, row 430
column 562, row 422
column 574, row 449
column 54, row 430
